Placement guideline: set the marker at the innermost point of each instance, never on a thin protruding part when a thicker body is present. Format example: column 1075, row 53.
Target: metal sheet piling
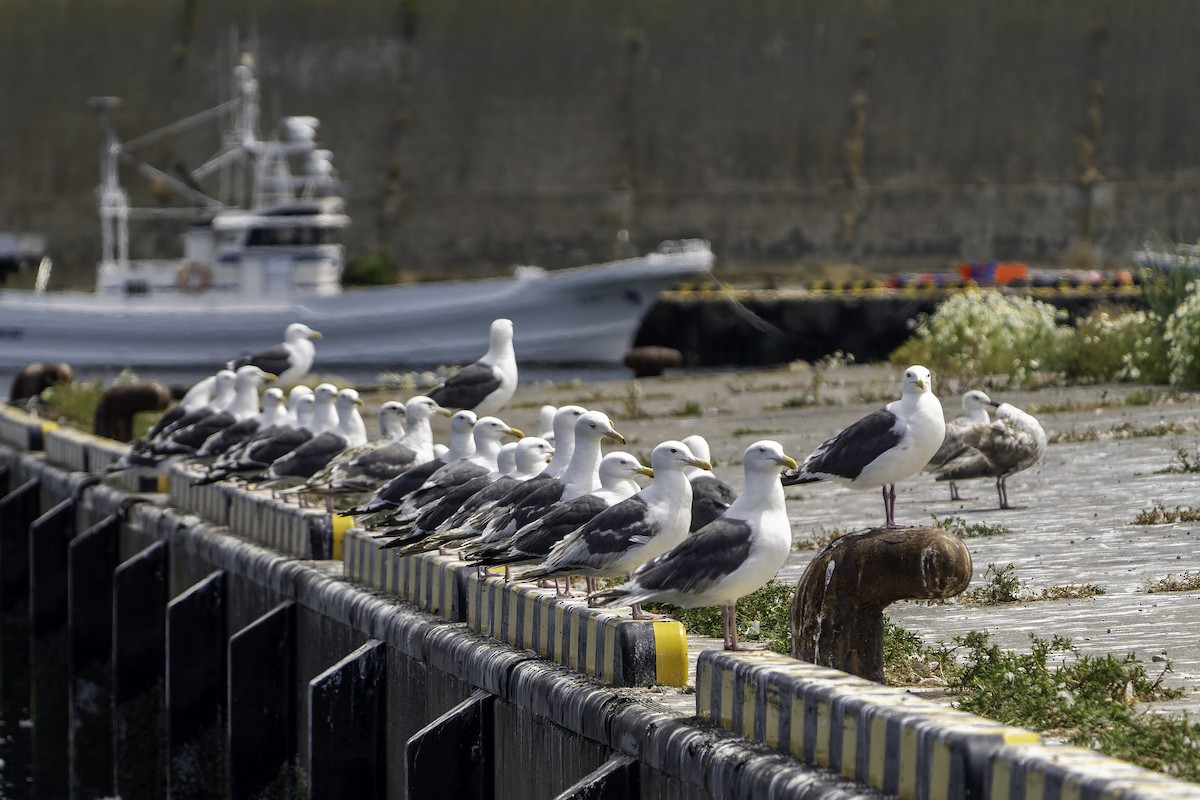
column 140, row 594
column 91, row 561
column 196, row 691
column 262, row 706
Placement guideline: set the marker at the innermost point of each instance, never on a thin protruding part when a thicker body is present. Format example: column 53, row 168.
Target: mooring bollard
column 140, row 594
column 92, row 559
column 196, row 691
column 49, row 539
column 346, row 721
column 120, row 402
column 452, row 755
column 262, row 705
column 837, row 613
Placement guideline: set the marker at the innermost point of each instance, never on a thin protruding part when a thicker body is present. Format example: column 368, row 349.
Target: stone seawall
column 475, row 135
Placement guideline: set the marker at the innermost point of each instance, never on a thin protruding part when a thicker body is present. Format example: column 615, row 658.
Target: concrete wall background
column 477, row 134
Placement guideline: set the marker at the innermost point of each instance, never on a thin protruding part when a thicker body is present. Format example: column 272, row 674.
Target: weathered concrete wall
column 476, row 134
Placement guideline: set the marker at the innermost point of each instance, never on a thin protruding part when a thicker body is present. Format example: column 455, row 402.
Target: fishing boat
column 266, row 251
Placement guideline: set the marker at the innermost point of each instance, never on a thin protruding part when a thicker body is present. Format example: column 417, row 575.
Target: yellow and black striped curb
column 22, row 431
column 602, row 643
column 431, row 582
column 77, row 451
column 1065, row 773
column 899, row 743
column 283, row 525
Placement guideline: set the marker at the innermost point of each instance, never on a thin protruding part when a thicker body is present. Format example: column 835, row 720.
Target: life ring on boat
column 194, row 277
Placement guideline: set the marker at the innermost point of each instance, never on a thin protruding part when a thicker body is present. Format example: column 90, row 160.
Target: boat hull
column 584, row 315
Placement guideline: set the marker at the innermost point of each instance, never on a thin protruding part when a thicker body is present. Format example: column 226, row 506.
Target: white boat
column 248, row 272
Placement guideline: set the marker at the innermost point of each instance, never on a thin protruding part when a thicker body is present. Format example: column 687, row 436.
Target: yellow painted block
column 670, row 653
column 341, row 524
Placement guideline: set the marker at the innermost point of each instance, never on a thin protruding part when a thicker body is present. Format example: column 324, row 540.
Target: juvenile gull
column 884, row 447
column 975, row 404
column 354, row 470
column 486, row 386
column 732, row 556
column 1012, row 442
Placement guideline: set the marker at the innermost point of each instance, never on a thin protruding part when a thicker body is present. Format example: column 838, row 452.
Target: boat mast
column 112, row 199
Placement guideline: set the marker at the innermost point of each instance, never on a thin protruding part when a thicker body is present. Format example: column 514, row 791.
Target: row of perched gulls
column 554, row 506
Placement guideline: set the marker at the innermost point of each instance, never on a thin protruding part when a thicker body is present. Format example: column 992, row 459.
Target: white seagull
column 884, row 447
column 711, row 496
column 621, row 538
column 291, row 359
column 730, row 557
column 486, row 386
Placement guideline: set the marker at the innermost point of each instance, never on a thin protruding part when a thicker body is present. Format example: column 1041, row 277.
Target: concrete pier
column 353, row 690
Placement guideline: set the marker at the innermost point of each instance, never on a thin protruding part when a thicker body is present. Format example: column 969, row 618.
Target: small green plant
column 821, row 537
column 690, row 408
column 1183, row 582
column 1070, row 591
column 1002, row 586
column 1161, row 515
column 755, row 432
column 906, row 660
column 1187, row 462
column 964, row 530
column 634, row 407
column 374, row 269
column 764, row 615
column 1086, row 700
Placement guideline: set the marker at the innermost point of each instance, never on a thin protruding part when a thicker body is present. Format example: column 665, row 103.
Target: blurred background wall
column 477, row 134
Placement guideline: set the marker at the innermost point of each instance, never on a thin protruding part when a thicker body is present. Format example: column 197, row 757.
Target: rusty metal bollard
column 837, row 613
column 650, row 361
column 36, row 377
column 114, row 412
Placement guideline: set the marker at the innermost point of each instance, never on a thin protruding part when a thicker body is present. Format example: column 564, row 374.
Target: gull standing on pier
column 736, row 554
column 882, row 448
column 486, row 386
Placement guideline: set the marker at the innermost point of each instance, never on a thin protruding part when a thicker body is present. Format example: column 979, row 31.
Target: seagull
column 243, row 405
column 546, row 422
column 291, row 359
column 975, row 404
column 529, row 458
column 564, row 449
column 256, row 456
column 581, row 476
column 303, row 462
column 198, row 396
column 219, row 396
column 486, row 386
column 1012, row 442
column 357, row 470
column 274, row 411
column 412, row 457
column 736, row 554
column 533, row 542
column 884, row 447
column 711, row 496
column 487, row 433
column 623, row 537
